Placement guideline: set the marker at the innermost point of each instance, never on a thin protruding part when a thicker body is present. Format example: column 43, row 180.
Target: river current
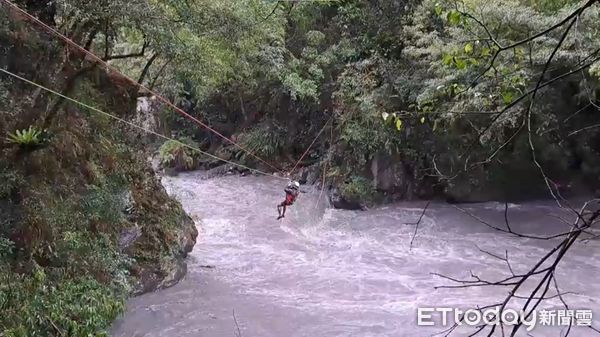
column 321, row 272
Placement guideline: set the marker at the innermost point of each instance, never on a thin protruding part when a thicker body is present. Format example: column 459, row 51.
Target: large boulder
column 151, row 277
column 390, row 176
column 337, row 200
column 147, row 115
column 309, row 175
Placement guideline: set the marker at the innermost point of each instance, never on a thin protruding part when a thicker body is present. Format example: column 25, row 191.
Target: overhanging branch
column 130, row 55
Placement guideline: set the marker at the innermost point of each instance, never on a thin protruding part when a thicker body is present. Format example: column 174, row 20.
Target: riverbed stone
column 337, row 200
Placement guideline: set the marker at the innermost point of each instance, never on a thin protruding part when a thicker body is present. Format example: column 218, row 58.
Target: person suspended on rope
column 291, row 193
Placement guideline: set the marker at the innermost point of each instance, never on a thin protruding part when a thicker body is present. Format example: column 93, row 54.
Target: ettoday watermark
column 494, row 316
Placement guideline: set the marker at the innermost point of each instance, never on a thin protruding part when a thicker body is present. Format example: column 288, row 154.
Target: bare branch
column 417, row 223
column 515, row 282
column 147, row 68
column 130, row 55
column 237, row 332
column 532, row 102
column 529, row 39
column 583, row 129
column 273, row 11
column 509, row 231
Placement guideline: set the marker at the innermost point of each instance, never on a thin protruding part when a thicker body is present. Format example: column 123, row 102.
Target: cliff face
column 84, row 221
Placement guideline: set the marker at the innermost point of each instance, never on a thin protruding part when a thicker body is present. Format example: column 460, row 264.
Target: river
column 322, row 272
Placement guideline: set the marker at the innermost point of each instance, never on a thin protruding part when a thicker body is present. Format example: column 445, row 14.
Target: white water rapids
column 322, row 272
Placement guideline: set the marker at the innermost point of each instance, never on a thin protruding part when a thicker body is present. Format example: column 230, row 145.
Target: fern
column 26, row 138
column 263, row 140
column 175, row 155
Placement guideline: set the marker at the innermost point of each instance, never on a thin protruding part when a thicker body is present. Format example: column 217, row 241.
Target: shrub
column 78, row 291
column 11, row 180
column 104, row 203
column 264, row 141
column 174, row 154
column 27, row 138
column 358, row 189
column 7, row 247
column 43, row 304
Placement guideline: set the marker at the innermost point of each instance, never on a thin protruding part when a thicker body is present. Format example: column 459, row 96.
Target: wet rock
column 128, row 237
column 466, row 193
column 161, row 239
column 155, row 163
column 208, row 266
column 309, row 175
column 170, row 171
column 390, row 176
column 338, row 201
column 127, row 201
column 210, row 164
column 224, row 170
column 187, row 239
column 152, row 278
column 147, row 114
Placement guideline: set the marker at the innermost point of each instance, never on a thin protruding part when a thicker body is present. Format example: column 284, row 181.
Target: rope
column 133, row 124
column 311, row 144
column 161, row 98
column 324, row 172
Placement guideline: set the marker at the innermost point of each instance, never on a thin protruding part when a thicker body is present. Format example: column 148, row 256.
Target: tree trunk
column 153, row 83
column 147, row 68
column 68, row 88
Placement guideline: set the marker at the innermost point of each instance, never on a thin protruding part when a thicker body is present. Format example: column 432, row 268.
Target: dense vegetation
column 83, row 221
column 469, row 99
column 427, row 97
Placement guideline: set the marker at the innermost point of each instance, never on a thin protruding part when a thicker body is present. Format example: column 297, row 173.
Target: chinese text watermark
column 493, row 316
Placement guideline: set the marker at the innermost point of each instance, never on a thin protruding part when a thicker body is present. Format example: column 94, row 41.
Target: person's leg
column 283, row 213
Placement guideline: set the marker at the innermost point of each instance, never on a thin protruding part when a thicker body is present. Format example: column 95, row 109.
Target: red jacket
column 290, row 195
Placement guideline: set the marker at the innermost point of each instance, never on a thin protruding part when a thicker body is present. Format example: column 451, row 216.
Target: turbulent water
column 323, row 272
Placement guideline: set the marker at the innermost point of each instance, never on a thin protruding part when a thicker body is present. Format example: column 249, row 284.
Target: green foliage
column 7, row 248
column 266, row 141
column 548, row 6
column 11, row 180
column 42, row 304
column 174, row 154
column 26, row 138
column 206, row 44
column 595, row 70
column 362, row 105
column 300, row 88
column 62, row 211
column 79, row 285
column 454, row 17
column 98, row 257
column 103, row 203
column 358, row 189
column 82, row 285
column 315, row 38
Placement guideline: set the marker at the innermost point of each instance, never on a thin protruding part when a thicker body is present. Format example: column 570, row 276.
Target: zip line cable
column 109, row 67
column 166, row 101
column 311, row 144
column 133, row 124
column 160, row 97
